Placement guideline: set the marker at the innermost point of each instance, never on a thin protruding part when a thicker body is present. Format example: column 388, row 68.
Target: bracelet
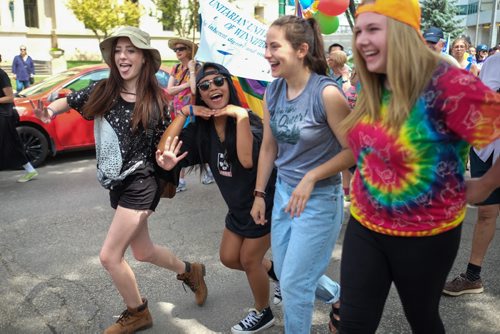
column 192, row 117
column 53, row 113
column 182, row 113
column 258, row 193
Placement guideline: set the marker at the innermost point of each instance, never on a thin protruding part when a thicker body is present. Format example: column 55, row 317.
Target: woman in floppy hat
column 410, row 131
column 125, row 165
column 182, row 86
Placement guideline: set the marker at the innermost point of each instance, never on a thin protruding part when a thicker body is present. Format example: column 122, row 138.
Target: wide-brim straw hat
column 139, row 38
column 190, row 44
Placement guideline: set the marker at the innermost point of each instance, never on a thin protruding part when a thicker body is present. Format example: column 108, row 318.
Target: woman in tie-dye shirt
column 410, row 131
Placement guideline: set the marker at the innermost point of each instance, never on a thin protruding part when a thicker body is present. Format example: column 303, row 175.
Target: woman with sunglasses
column 182, row 87
column 227, row 137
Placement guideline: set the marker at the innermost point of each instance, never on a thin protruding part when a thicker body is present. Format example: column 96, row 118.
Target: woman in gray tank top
column 302, row 113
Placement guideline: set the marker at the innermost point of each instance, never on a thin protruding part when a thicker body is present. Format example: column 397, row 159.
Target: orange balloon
column 307, row 14
column 314, row 5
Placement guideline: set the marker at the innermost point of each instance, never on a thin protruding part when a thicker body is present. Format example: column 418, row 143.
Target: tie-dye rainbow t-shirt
column 412, row 183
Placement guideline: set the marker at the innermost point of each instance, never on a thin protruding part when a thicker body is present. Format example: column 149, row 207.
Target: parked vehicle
column 69, row 131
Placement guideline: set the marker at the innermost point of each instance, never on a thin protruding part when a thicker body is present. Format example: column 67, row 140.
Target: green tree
column 441, row 14
column 101, row 16
column 181, row 19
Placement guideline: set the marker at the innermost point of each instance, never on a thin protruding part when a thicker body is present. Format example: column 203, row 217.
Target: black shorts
column 137, row 192
column 478, row 168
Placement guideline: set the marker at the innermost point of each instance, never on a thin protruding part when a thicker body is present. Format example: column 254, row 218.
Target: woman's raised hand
column 231, row 111
column 168, row 158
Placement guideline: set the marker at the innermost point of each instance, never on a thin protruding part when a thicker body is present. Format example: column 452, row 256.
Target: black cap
column 211, row 68
column 433, row 34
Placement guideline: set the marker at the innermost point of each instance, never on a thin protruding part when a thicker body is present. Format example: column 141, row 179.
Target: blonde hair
column 338, row 58
column 410, row 65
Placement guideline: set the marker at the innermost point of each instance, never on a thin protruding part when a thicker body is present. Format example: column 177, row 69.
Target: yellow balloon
column 314, row 5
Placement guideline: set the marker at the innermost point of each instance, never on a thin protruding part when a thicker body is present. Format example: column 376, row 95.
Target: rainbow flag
column 251, row 93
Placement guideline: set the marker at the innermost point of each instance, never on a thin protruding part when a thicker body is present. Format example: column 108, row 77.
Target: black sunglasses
column 182, row 48
column 205, row 85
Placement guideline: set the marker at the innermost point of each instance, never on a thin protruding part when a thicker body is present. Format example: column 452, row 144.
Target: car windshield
column 47, row 84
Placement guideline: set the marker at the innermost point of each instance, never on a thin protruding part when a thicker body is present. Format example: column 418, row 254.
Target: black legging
column 418, row 266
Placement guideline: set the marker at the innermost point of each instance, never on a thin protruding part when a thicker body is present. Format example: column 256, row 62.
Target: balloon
column 307, row 14
column 314, row 6
column 305, row 3
column 327, row 24
column 333, row 7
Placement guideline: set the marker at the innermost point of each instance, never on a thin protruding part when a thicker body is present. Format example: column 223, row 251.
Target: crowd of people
column 390, row 134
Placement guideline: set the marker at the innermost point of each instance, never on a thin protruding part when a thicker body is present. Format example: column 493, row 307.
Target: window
column 258, row 13
column 31, row 13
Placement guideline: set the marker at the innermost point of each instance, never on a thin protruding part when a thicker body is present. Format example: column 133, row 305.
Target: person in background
column 472, row 51
column 335, row 47
column 23, row 69
column 458, row 48
column 227, row 138
column 302, row 113
column 434, row 38
column 12, row 153
column 182, row 86
column 481, row 160
column 482, row 54
column 336, row 63
column 130, row 113
column 410, row 132
column 332, row 48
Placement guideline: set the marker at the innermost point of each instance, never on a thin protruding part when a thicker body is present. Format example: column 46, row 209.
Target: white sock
column 29, row 168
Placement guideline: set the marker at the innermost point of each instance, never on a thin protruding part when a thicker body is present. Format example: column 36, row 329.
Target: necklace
column 129, row 93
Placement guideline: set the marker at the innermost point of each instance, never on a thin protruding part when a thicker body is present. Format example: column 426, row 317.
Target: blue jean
column 302, row 247
column 22, row 84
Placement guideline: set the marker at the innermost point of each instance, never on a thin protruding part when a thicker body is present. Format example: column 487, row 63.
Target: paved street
column 51, row 230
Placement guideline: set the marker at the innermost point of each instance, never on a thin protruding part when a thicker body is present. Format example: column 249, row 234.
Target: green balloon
column 327, row 24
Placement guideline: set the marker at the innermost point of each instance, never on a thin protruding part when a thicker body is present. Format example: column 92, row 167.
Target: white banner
column 234, row 40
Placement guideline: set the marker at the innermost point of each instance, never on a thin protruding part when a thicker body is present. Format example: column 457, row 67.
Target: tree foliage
column 102, row 16
column 181, row 19
column 441, row 14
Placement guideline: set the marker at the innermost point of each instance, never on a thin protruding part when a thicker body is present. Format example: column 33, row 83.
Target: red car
column 69, row 131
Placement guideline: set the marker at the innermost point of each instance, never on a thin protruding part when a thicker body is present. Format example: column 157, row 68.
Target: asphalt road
column 51, row 230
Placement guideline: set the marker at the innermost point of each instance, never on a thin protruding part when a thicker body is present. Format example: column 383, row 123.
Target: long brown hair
column 298, row 31
column 149, row 95
column 410, row 65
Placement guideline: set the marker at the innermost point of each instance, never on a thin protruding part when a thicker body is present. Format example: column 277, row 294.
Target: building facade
column 482, row 19
column 42, row 24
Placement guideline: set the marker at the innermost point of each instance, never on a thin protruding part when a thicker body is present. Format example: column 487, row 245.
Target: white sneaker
column 181, row 187
column 277, row 294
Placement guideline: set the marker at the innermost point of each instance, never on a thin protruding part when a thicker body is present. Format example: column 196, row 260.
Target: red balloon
column 333, row 7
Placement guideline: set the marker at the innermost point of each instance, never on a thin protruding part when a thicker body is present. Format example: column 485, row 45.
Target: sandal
column 334, row 324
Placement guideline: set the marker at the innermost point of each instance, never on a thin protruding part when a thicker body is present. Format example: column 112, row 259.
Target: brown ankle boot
column 132, row 320
column 194, row 279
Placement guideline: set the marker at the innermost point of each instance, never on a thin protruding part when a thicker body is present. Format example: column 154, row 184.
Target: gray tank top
column 301, row 130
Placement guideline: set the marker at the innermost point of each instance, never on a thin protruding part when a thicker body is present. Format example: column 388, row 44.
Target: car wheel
column 35, row 144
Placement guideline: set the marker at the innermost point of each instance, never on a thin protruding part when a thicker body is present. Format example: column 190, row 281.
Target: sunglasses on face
column 22, row 49
column 205, row 85
column 182, row 48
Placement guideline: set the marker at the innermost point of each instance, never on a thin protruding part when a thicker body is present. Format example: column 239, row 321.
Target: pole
column 476, row 39
column 494, row 29
column 282, row 7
